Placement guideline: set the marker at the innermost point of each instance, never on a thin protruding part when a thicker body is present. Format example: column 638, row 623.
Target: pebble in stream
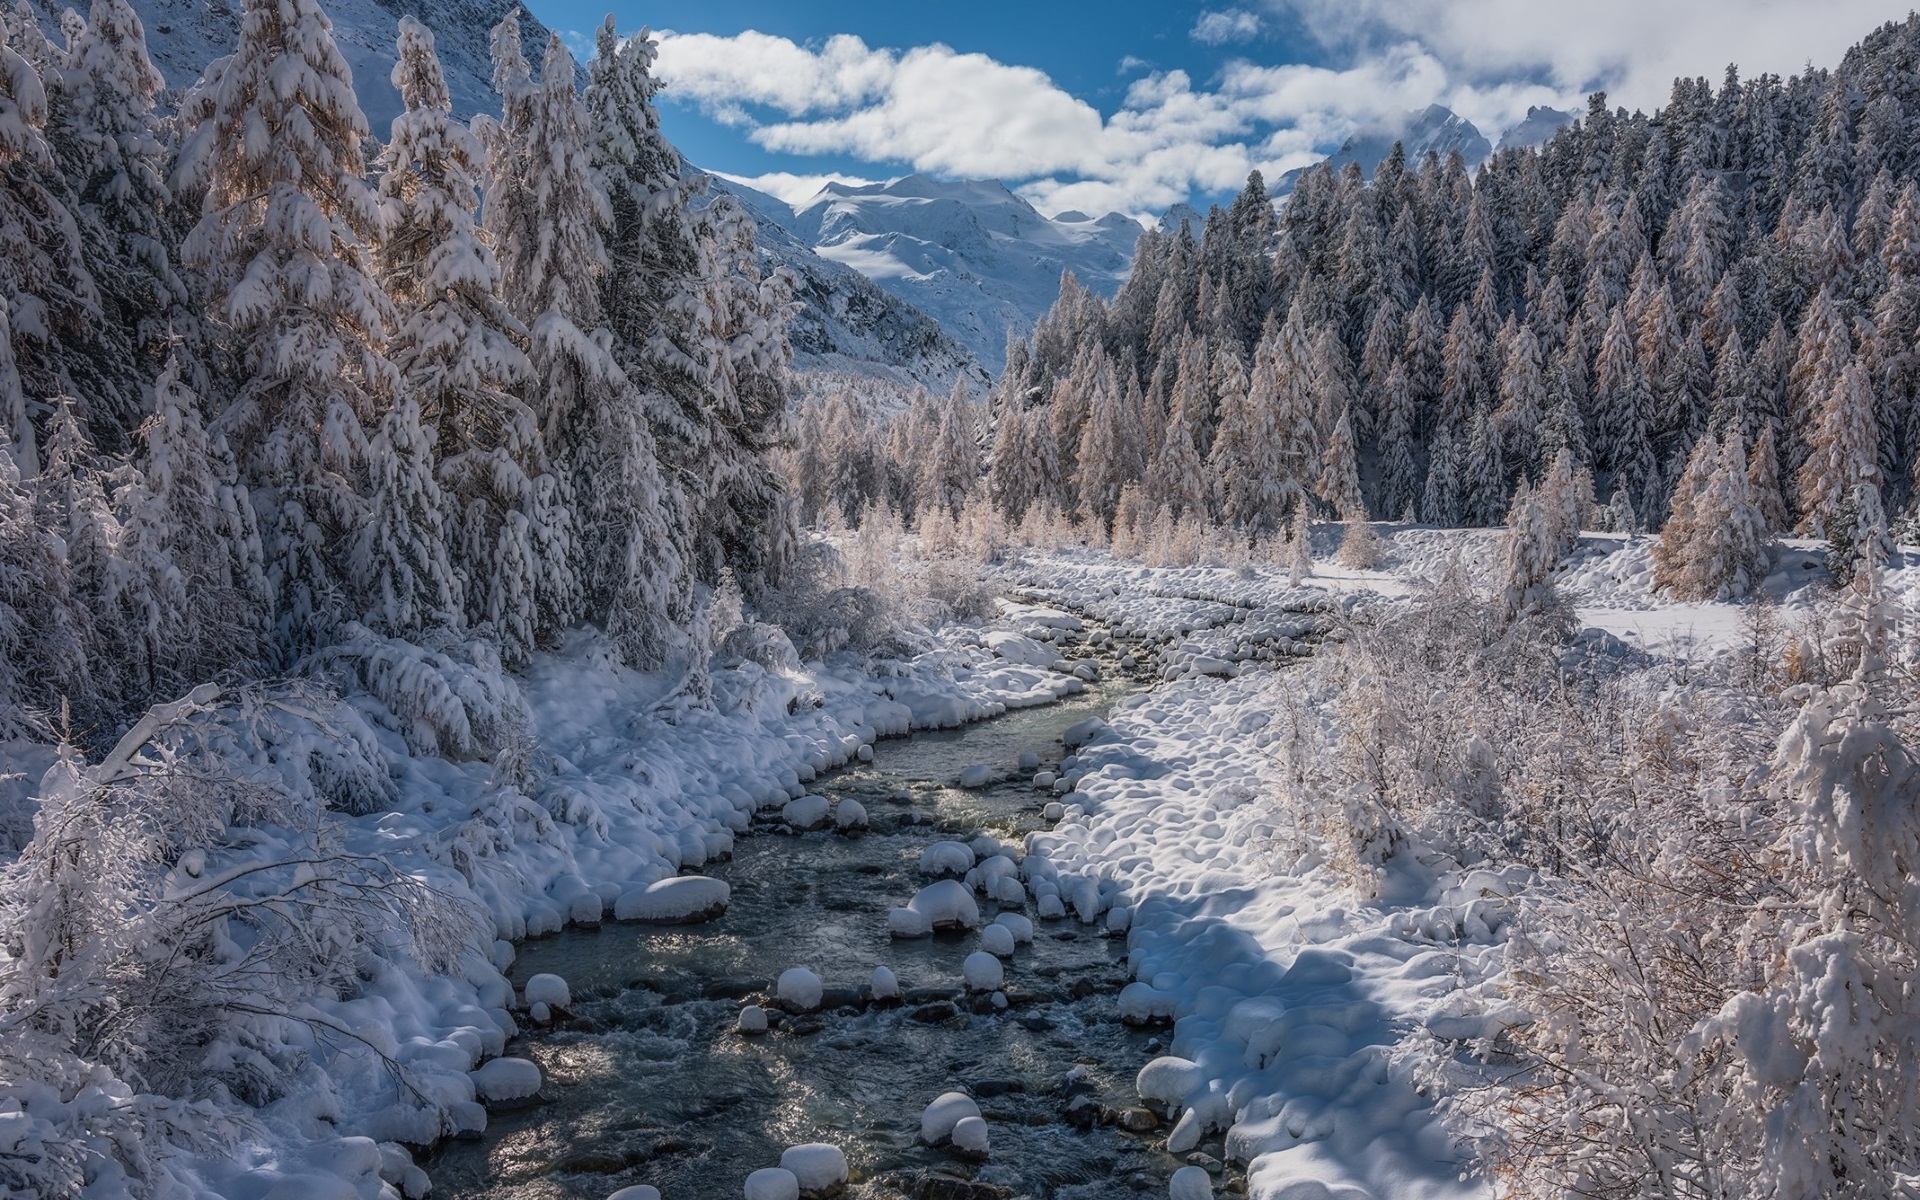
column 651, row 1082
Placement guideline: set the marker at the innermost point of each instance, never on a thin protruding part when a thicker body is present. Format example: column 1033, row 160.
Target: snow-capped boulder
column 773, row 1183
column 947, row 1110
column 817, row 1165
column 970, row 1136
column 682, row 898
column 943, row 860
column 550, row 990
column 983, row 972
column 997, row 940
column 807, row 813
column 506, row 1079
column 799, row 989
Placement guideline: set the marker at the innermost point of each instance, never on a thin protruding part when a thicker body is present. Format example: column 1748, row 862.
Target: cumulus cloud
column 949, row 113
column 1631, row 48
column 1216, row 28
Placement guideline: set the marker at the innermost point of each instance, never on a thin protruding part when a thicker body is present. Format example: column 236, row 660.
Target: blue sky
column 1130, row 106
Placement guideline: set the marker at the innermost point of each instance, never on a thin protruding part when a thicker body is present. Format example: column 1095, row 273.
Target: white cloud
column 1217, row 28
column 948, row 113
column 1129, row 64
column 1632, row 48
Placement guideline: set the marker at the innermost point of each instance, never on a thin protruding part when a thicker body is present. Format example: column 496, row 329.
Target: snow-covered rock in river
column 550, row 990
column 970, row 1136
column 1190, row 1183
column 1017, row 925
column 1019, row 648
column 983, row 972
column 817, row 1165
column 773, row 1183
column 938, row 1119
column 981, row 775
column 506, row 1079
column 943, row 860
column 753, row 1019
column 884, row 986
column 943, row 905
column 807, row 813
column 639, row 1191
column 850, row 816
column 799, row 989
column 683, row 898
column 997, row 940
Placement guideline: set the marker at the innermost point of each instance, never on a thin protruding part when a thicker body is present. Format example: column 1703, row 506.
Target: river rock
column 683, row 898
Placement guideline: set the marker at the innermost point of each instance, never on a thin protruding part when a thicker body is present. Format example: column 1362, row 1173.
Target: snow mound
column 981, row 775
column 799, row 989
column 850, row 815
column 997, row 940
column 753, row 1019
column 506, row 1079
column 683, row 898
column 1191, row 1183
column 970, row 1136
column 817, row 1165
column 983, row 972
column 1020, row 927
column 946, row 859
column 938, row 1119
column 1019, row 649
column 773, row 1183
column 550, row 990
column 639, row 1191
column 943, row 905
column 807, row 813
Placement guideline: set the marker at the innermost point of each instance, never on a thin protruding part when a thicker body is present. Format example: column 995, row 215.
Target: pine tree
column 1763, row 476
column 1440, row 502
column 1400, row 482
column 285, row 243
column 548, row 214
column 1483, row 473
column 1623, row 399
column 1247, row 463
column 458, row 350
column 1339, row 482
column 187, row 584
column 1523, row 397
column 953, row 468
column 1714, row 544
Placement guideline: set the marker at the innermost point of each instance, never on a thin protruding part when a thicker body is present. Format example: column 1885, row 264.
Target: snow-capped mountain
column 1436, row 128
column 183, row 36
column 971, row 254
column 845, row 321
column 1539, row 125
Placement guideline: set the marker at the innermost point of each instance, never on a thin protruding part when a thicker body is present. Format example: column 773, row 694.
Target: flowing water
column 649, row 1083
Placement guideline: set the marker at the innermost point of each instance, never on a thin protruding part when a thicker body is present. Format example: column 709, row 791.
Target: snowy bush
column 163, row 933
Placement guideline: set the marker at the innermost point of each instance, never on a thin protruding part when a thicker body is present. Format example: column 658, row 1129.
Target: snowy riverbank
column 616, row 783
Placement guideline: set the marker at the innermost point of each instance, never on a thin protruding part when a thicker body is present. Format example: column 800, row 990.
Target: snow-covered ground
column 1294, row 1004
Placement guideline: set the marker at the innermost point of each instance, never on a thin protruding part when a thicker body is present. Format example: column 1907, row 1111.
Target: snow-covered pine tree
column 953, row 467
column 1400, row 481
column 457, row 347
column 1523, row 398
column 1483, row 472
column 1105, row 443
column 42, row 273
column 1623, row 400
column 107, row 140
column 187, row 582
column 548, row 213
column 1339, row 481
column 1714, row 545
column 285, row 244
column 1440, row 500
